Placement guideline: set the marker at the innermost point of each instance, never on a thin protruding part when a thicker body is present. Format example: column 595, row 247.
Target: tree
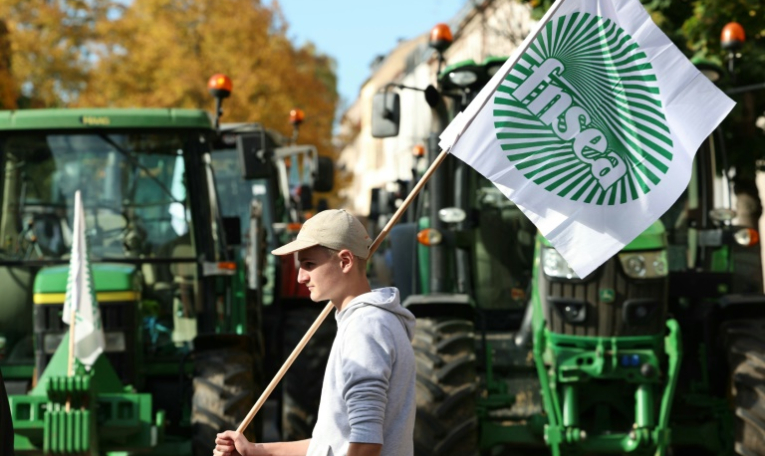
column 160, row 53
column 51, row 47
column 746, row 143
column 7, row 86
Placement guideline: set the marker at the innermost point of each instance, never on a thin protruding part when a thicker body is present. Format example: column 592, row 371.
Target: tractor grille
column 120, row 328
column 606, row 304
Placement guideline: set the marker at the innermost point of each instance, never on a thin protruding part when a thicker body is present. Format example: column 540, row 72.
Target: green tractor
column 515, row 351
column 268, row 184
column 464, row 268
column 182, row 357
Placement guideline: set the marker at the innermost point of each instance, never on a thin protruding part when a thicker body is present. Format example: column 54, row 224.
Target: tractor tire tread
column 224, row 389
column 301, row 386
column 747, row 369
column 446, row 386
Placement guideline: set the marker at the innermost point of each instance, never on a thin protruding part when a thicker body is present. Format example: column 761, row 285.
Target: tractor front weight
column 590, row 383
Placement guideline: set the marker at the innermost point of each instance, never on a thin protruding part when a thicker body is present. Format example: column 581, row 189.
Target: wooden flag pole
column 323, row 315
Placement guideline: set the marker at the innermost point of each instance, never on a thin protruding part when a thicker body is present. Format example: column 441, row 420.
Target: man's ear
column 346, row 259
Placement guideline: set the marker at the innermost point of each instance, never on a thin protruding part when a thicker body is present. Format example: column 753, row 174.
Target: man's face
column 321, row 271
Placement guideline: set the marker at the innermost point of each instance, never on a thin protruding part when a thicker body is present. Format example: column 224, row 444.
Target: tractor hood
column 111, row 281
column 654, row 238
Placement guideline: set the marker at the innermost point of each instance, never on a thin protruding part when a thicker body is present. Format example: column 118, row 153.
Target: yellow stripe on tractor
column 105, row 296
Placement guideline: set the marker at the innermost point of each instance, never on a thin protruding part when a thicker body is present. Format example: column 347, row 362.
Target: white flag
column 80, row 296
column 593, row 132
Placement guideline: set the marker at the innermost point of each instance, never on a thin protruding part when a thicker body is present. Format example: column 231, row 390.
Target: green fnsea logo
column 580, row 113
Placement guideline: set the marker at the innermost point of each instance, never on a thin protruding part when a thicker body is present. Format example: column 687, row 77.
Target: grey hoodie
column 368, row 390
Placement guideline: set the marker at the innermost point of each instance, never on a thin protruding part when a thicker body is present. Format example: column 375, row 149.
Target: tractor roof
column 104, row 118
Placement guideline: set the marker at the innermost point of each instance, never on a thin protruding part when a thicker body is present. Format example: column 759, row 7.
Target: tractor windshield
column 133, row 191
column 237, row 194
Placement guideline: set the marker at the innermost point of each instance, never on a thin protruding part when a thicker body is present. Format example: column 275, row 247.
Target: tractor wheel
column 224, row 391
column 746, row 357
column 446, row 422
column 301, row 386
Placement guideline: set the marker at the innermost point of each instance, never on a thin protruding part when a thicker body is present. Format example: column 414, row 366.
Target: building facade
column 483, row 28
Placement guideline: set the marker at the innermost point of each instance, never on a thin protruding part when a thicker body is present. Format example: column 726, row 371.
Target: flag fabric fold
column 591, row 127
column 89, row 340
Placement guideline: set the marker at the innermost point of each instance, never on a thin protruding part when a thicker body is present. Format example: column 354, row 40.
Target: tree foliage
column 161, row 53
column 746, row 142
column 7, row 86
column 51, row 42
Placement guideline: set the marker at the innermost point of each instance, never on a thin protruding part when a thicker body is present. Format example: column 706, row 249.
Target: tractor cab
column 160, row 262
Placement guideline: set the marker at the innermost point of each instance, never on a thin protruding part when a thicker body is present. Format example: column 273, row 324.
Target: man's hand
column 232, row 443
column 364, row 449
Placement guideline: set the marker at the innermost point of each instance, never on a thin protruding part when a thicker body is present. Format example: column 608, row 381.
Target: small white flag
column 80, row 296
column 593, row 132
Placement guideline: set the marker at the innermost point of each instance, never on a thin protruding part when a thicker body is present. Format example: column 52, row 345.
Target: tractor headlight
column 463, row 78
column 555, row 266
column 634, row 265
column 492, row 70
column 645, row 265
column 452, row 215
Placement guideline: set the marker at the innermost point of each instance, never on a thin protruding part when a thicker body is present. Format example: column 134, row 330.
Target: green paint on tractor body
column 654, row 238
column 103, row 118
column 106, row 277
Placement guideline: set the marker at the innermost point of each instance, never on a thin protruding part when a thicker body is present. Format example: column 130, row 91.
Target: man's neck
column 342, row 301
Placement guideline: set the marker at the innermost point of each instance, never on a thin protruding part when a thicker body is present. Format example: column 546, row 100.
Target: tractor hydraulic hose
column 438, row 198
column 462, row 197
column 523, row 336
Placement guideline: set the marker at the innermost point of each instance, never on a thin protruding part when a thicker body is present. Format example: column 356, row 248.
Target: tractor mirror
column 386, row 112
column 232, row 229
column 254, row 155
column 325, row 175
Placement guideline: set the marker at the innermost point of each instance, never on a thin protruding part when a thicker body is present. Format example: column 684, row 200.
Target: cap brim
column 294, row 246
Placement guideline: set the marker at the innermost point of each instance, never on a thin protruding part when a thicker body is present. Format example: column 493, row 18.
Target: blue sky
column 355, row 31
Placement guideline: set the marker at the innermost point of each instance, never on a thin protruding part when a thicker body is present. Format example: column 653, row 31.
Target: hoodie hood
column 385, row 298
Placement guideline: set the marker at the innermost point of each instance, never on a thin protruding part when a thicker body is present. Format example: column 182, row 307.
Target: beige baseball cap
column 334, row 229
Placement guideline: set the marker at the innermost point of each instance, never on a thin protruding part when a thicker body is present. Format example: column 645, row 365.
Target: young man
column 367, row 401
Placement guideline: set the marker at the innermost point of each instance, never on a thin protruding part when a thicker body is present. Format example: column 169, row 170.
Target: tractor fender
column 731, row 309
column 741, row 307
column 729, row 312
column 441, row 305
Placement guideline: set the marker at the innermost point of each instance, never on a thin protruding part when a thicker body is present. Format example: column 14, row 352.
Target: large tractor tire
column 446, row 423
column 225, row 389
column 301, row 386
column 746, row 357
